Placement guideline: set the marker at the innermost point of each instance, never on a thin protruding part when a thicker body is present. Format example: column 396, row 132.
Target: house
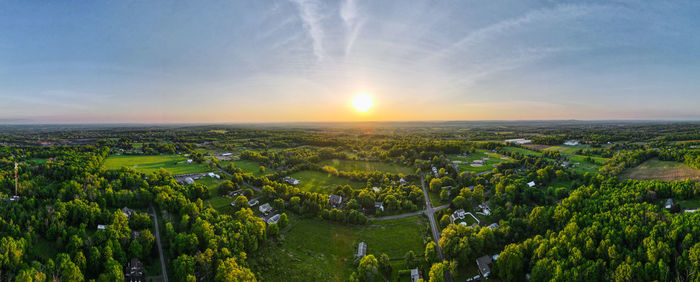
column 572, row 143
column 265, row 208
column 379, row 206
column 101, row 227
column 435, row 172
column 485, row 209
column 226, row 154
column 213, row 175
column 189, row 180
column 415, row 275
column 376, row 189
column 335, row 200
column 478, row 162
column 128, row 212
column 189, row 161
column 135, row 234
column 484, row 264
column 273, row 219
column 402, row 181
column 458, row 214
column 291, row 180
column 531, row 184
column 493, row 226
column 253, row 202
column 361, row 250
column 519, row 141
column 134, row 271
column 669, row 203
column 14, row 198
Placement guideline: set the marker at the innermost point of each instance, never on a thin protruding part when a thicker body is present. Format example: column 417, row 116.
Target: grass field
column 317, row 250
column 689, row 204
column 662, row 170
column 250, row 166
column 350, row 165
column 489, row 164
column 569, row 150
column 175, row 164
column 315, row 181
column 522, row 151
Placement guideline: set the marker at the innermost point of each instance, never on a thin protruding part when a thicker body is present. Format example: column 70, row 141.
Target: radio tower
column 15, row 178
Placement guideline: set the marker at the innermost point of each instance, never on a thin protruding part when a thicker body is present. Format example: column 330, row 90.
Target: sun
column 362, row 102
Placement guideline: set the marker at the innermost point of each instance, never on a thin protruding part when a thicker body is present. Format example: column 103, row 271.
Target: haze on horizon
column 304, row 60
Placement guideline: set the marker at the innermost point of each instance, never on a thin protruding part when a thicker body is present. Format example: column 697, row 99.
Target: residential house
column 134, row 271
column 189, row 180
column 273, row 219
column 226, row 154
column 101, row 227
column 376, row 189
column 361, row 250
column 128, row 212
column 415, row 275
column 531, row 184
column 457, row 215
column 493, row 226
column 265, row 208
column 253, row 202
column 519, row 141
column 572, row 143
column 435, row 172
column 402, row 181
column 379, row 206
column 291, row 180
column 484, row 265
column 669, row 203
column 335, row 200
column 189, row 161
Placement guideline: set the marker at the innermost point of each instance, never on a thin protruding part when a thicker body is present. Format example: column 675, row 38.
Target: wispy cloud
column 311, row 16
column 352, row 21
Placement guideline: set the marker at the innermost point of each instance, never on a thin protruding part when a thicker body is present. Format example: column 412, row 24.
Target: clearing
column 352, row 165
column 174, row 164
column 318, row 250
column 662, row 170
column 489, row 159
column 321, row 182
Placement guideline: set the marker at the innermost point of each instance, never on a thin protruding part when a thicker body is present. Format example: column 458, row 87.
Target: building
column 213, row 175
column 128, row 212
column 493, row 226
column 376, row 189
column 14, row 198
column 226, row 154
column 669, row 203
column 253, row 202
column 484, row 264
column 402, row 181
column 415, row 275
column 335, row 200
column 101, row 227
column 134, row 271
column 457, row 215
column 291, row 180
column 273, row 219
column 519, row 141
column 379, row 206
column 485, row 209
column 189, row 161
column 572, row 143
column 531, row 184
column 435, row 172
column 361, row 250
column 265, row 208
column 189, row 180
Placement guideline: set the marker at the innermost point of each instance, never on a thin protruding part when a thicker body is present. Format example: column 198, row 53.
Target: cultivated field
column 315, row 181
column 317, row 250
column 351, row 165
column 662, row 170
column 175, row 164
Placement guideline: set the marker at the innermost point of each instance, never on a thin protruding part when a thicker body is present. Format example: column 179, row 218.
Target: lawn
column 352, row 165
column 689, row 204
column 321, row 182
column 175, row 164
column 661, row 170
column 569, row 150
column 318, row 250
column 249, row 166
column 522, row 151
column 581, row 164
column 490, row 162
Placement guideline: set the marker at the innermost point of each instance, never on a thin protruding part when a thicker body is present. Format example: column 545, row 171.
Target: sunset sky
column 305, row 60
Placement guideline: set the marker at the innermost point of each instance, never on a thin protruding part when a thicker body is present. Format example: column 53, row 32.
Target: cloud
column 352, row 21
column 310, row 14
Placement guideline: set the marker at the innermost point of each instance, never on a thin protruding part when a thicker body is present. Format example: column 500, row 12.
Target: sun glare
column 362, row 102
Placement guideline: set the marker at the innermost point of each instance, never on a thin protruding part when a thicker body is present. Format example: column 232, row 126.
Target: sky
column 304, row 60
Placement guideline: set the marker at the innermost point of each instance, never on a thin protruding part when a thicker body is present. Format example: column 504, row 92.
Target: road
column 430, row 212
column 397, row 216
column 160, row 246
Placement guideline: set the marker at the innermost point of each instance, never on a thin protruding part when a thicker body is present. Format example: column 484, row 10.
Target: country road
column 160, row 246
column 430, row 211
column 397, row 216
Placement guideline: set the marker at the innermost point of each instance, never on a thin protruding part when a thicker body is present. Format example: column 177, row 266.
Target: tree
column 241, row 202
column 510, row 263
column 385, row 264
column 431, row 254
column 272, row 230
column 368, row 268
column 283, row 221
column 444, row 221
column 262, row 169
column 229, row 270
column 435, row 185
column 437, row 272
column 410, row 258
column 68, row 270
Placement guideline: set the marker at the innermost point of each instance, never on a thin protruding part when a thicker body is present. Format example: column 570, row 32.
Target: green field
column 250, row 167
column 175, row 164
column 689, row 204
column 317, row 250
column 321, row 182
column 489, row 164
column 662, row 170
column 569, row 150
column 351, row 165
column 522, row 151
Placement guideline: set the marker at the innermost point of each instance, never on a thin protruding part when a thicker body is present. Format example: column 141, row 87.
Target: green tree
column 431, row 254
column 437, row 272
column 229, row 270
column 410, row 259
column 385, row 264
column 368, row 268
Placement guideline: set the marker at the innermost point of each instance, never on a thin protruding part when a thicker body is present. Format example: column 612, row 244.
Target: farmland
column 352, row 165
column 174, row 164
column 315, row 181
column 662, row 170
column 315, row 250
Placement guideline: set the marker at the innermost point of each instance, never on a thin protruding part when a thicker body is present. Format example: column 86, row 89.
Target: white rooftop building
column 531, row 184
column 273, row 219
column 265, row 208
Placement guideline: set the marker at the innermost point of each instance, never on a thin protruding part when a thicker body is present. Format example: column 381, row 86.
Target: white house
column 189, row 180
column 376, row 189
column 226, row 154
column 273, row 219
column 265, row 208
column 253, row 202
column 189, row 161
column 519, row 141
column 101, row 227
column 291, row 181
column 415, row 275
column 669, row 203
column 531, row 184
column 572, row 143
column 379, row 206
column 361, row 249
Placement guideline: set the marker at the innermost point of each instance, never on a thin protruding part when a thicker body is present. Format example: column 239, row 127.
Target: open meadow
column 174, row 164
column 662, row 170
column 321, row 182
column 317, row 250
column 489, row 159
column 353, row 165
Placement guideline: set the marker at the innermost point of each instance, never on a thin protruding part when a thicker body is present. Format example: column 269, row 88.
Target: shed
column 361, row 249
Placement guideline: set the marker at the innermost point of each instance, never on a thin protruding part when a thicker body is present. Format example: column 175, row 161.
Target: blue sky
column 304, row 60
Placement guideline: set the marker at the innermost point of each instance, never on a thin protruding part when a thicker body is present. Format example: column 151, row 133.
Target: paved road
column 160, row 247
column 397, row 216
column 429, row 211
